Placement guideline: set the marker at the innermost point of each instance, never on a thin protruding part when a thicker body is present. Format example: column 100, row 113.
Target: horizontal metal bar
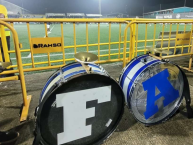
column 177, row 55
column 118, row 20
column 56, row 61
column 66, row 47
column 13, row 78
column 161, row 21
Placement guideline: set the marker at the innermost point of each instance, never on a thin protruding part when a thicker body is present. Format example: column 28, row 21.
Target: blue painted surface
column 182, row 10
column 175, row 11
column 167, row 91
column 69, row 75
column 133, row 64
column 136, row 74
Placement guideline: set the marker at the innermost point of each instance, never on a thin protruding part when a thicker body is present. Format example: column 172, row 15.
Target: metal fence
column 52, row 64
column 153, row 31
column 134, row 37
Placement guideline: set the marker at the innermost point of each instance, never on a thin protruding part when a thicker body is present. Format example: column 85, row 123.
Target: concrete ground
column 176, row 131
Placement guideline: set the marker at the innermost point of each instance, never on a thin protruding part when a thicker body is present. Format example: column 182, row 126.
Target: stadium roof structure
column 116, row 14
column 13, row 8
column 12, row 13
column 166, row 10
column 55, row 14
column 76, row 14
column 94, row 15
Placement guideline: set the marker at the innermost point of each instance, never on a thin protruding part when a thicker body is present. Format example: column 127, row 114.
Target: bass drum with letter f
column 77, row 107
column 153, row 88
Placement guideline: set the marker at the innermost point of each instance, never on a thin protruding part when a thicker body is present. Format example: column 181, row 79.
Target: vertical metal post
column 74, row 27
column 182, row 50
column 176, row 34
column 46, row 33
column 125, row 48
column 4, row 44
column 154, row 37
column 145, row 37
column 190, row 38
column 87, row 37
column 109, row 41
column 119, row 39
column 136, row 40
column 30, row 43
column 162, row 36
column 98, row 41
column 132, row 41
column 169, row 37
column 62, row 36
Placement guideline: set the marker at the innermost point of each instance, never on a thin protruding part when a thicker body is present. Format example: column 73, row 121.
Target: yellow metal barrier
column 21, row 67
column 37, row 65
column 133, row 26
column 132, row 39
column 26, row 99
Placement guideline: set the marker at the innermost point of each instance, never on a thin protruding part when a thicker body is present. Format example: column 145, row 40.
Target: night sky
column 131, row 7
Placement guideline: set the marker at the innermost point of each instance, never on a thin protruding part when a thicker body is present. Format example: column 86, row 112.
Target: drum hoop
column 169, row 115
column 124, row 69
column 67, row 66
column 101, row 140
column 59, row 69
column 55, row 73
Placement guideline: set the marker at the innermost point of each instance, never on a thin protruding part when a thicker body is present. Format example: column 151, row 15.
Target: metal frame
column 132, row 24
column 75, row 46
column 134, row 40
column 26, row 99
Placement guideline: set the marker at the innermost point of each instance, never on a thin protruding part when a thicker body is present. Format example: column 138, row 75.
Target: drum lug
column 62, row 79
column 166, row 60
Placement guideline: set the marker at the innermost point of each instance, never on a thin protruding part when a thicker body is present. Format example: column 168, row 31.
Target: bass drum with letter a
column 153, row 88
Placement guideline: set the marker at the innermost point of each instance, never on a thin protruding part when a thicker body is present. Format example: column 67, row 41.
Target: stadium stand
column 94, row 15
column 55, row 15
column 116, row 15
column 75, row 15
column 173, row 13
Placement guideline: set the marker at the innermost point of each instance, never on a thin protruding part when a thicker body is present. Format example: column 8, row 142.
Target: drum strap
column 186, row 94
column 37, row 136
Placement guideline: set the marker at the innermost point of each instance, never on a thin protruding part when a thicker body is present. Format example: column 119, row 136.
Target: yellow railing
column 133, row 47
column 131, row 41
column 37, row 65
column 26, row 99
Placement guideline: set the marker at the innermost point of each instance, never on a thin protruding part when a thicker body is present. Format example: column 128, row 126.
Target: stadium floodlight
column 99, row 6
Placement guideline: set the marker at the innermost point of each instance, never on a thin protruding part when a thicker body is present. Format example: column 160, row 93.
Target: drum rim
column 165, row 118
column 101, row 140
column 124, row 69
column 66, row 66
column 57, row 71
column 129, row 105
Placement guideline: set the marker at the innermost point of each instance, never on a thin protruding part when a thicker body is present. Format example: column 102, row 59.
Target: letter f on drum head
column 166, row 90
column 75, row 112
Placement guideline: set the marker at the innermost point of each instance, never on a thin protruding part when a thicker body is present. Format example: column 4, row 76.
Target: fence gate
column 26, row 99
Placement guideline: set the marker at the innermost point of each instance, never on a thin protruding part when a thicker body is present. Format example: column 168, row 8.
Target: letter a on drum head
column 75, row 112
column 167, row 93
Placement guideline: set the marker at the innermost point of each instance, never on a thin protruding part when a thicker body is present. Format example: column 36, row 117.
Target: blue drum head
column 156, row 93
